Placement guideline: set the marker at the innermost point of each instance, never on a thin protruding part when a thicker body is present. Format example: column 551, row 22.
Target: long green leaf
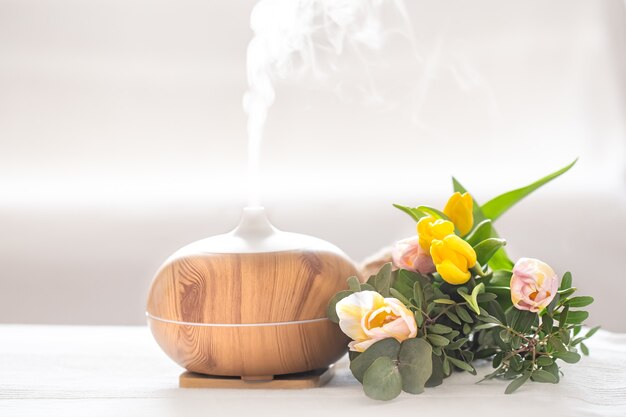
column 486, row 249
column 497, row 206
column 413, row 212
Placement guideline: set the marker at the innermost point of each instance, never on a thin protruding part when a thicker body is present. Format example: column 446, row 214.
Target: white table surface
column 120, row 371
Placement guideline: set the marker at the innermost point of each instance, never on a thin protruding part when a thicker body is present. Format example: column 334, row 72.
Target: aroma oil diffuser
column 250, row 303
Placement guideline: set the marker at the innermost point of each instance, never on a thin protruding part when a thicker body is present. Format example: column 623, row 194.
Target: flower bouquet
column 453, row 296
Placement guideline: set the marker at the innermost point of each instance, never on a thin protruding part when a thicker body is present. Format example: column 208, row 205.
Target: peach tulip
column 367, row 317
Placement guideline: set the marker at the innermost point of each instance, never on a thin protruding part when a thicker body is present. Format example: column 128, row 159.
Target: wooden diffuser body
column 251, row 303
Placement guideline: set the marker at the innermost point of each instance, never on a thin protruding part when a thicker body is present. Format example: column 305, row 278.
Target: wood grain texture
column 312, row 379
column 254, row 288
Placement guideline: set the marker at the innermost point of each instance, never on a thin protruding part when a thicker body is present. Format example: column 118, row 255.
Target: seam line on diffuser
column 279, row 323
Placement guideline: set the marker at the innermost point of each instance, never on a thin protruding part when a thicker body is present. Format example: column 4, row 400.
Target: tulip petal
column 353, row 308
column 451, row 273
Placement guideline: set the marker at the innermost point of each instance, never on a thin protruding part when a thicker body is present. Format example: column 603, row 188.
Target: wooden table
column 120, row 371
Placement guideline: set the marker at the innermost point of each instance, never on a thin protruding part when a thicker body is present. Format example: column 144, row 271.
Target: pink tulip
column 533, row 285
column 408, row 254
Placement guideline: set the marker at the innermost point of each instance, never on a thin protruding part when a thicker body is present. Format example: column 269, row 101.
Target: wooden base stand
column 310, row 379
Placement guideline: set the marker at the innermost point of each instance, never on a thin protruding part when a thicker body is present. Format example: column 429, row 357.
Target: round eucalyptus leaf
column 387, row 348
column 382, row 380
column 415, row 364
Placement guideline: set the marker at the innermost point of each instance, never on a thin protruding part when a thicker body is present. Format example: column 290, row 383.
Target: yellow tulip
column 429, row 228
column 367, row 317
column 453, row 257
column 459, row 210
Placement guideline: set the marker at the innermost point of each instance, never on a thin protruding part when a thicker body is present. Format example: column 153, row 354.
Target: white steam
column 293, row 38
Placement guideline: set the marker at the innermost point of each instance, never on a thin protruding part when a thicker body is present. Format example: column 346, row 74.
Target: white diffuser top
column 255, row 234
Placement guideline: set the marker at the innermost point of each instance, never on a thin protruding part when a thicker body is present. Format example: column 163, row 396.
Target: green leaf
column 544, row 361
column 453, row 317
column 439, row 328
column 592, row 332
column 367, row 287
column 478, row 289
column 444, row 301
column 576, row 317
column 495, row 310
column 331, row 311
column 563, row 294
column 354, row 284
column 382, row 380
column 540, row 375
column 383, row 348
column 485, row 326
column 516, row 363
column 487, row 248
column 497, row 359
column 437, row 340
column 516, row 383
column 486, row 297
column 446, row 367
column 553, row 303
column 562, row 317
column 397, row 294
column 582, row 301
column 547, row 322
column 405, row 280
column 457, row 343
column 569, row 357
column 463, row 314
column 462, row 365
column 522, row 321
column 556, row 344
column 497, row 206
column 436, row 378
column 584, row 349
column 481, row 232
column 415, row 364
column 419, row 318
column 505, row 335
column 413, row 212
column 500, row 278
column 471, row 298
column 485, row 353
column 433, row 212
column 500, row 261
column 418, row 294
column 553, row 369
column 382, row 281
column 566, row 281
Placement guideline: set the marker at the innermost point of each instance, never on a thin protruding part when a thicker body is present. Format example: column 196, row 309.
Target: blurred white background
column 122, row 138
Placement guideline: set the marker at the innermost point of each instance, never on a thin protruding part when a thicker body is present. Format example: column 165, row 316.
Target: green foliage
column 415, row 364
column 413, row 212
column 382, row 380
column 387, row 347
column 523, row 346
column 476, row 320
column 331, row 311
column 497, row 206
column 527, row 346
column 486, row 249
